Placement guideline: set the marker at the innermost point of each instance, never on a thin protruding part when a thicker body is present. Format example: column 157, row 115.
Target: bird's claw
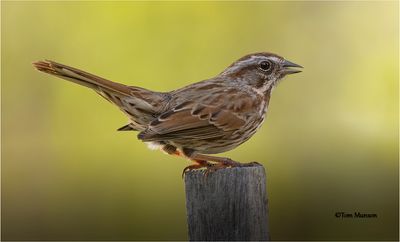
column 195, row 167
column 250, row 164
column 211, row 168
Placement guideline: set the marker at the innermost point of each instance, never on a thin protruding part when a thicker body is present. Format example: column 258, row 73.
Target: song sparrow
column 207, row 117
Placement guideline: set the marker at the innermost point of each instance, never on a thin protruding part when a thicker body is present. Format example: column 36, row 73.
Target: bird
column 199, row 120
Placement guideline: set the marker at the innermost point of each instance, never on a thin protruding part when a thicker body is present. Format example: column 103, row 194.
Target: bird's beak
column 287, row 70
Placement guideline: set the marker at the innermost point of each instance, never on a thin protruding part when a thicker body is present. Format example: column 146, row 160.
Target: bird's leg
column 222, row 162
column 172, row 150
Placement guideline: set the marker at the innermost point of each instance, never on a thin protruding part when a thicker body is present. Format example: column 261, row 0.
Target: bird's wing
column 201, row 119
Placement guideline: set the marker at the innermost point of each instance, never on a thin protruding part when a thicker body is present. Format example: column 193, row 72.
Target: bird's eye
column 265, row 65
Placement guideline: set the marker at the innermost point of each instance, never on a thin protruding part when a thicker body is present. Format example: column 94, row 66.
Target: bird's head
column 260, row 70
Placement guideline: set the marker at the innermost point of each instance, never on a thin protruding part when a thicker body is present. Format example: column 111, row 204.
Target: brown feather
column 80, row 77
column 200, row 120
column 140, row 105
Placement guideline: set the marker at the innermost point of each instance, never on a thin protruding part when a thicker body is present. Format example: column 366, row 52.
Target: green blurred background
column 330, row 143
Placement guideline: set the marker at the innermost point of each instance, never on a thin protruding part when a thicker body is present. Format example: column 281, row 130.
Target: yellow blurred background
column 329, row 144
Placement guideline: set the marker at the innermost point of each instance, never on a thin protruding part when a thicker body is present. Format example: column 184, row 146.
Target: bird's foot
column 213, row 167
column 250, row 164
column 228, row 163
column 231, row 163
column 199, row 164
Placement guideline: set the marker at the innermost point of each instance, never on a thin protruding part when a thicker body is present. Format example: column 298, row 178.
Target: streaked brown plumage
column 207, row 117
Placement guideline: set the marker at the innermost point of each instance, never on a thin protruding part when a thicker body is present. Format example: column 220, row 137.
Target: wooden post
column 229, row 204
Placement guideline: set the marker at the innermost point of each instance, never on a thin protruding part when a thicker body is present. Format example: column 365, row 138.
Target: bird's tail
column 81, row 77
column 137, row 103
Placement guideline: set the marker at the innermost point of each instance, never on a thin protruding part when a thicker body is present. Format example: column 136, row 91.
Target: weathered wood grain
column 229, row 204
